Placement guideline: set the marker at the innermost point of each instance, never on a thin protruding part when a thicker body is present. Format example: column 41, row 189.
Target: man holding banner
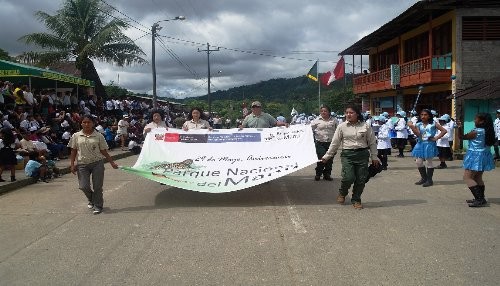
column 259, row 119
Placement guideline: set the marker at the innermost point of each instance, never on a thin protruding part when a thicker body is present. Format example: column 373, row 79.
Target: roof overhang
column 15, row 71
column 413, row 17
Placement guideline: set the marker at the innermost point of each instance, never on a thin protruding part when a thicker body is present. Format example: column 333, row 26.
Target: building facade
column 437, row 47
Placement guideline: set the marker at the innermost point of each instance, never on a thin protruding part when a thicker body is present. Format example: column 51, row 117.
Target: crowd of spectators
column 43, row 120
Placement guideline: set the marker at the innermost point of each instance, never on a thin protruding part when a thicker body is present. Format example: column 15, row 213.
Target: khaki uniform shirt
column 88, row 146
column 324, row 129
column 349, row 136
column 264, row 120
column 201, row 124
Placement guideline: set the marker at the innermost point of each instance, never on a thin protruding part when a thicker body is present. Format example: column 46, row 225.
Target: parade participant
column 123, row 126
column 323, row 127
column 411, row 136
column 217, row 122
column 196, row 120
column 426, row 149
column 281, row 118
column 443, row 144
column 451, row 125
column 497, row 135
column 89, row 148
column 259, row 119
column 401, row 133
column 158, row 122
column 478, row 157
column 383, row 140
column 358, row 144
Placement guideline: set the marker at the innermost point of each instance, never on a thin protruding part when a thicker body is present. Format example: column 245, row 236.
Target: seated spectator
column 109, row 136
column 134, row 147
column 7, row 155
column 57, row 150
column 66, row 136
column 28, row 146
column 36, row 168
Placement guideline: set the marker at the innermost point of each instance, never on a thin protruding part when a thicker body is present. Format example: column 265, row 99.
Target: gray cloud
column 281, row 28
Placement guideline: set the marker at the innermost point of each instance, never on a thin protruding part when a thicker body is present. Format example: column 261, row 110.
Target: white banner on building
column 224, row 160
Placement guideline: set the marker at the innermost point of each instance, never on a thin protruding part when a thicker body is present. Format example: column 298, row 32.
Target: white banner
column 224, row 160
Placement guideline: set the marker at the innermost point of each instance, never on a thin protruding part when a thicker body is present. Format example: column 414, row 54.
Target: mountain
column 278, row 90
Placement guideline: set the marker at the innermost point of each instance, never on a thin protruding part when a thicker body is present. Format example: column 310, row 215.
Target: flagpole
column 319, row 86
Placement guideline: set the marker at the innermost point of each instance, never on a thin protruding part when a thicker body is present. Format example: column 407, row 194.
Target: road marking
column 118, row 187
column 294, row 215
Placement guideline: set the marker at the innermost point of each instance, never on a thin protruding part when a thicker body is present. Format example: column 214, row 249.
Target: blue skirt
column 479, row 161
column 425, row 150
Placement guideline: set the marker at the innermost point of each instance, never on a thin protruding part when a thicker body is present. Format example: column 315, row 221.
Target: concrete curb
column 20, row 183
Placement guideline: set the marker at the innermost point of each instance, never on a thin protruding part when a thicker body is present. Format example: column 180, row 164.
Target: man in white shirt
column 497, row 135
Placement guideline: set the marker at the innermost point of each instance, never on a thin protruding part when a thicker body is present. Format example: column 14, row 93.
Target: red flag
column 339, row 70
column 337, row 73
column 325, row 78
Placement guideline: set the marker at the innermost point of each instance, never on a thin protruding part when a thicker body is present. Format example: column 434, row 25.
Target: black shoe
column 316, row 178
column 384, row 168
column 327, row 178
column 13, row 178
column 478, row 203
column 429, row 182
column 423, row 176
column 97, row 210
column 442, row 166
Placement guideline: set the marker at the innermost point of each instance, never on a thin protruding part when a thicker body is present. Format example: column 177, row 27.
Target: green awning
column 16, row 72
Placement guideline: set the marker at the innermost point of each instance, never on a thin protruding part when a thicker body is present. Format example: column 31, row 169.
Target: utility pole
column 156, row 27
column 153, row 61
column 208, row 50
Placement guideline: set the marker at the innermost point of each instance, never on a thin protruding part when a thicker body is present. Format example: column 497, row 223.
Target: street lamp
column 154, row 28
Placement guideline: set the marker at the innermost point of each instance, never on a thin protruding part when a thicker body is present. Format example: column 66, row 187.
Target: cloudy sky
column 257, row 39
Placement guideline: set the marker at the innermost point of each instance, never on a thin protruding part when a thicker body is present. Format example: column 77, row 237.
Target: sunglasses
column 255, row 106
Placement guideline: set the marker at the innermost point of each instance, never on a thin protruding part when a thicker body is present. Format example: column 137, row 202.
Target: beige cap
column 256, row 103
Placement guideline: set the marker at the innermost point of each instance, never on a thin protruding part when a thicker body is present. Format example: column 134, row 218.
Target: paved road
column 287, row 232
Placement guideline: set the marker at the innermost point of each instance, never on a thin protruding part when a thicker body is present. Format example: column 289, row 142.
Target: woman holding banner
column 196, row 120
column 324, row 127
column 157, row 122
column 358, row 144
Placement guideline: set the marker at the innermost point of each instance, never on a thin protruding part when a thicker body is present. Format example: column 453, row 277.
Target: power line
column 174, row 56
column 125, row 15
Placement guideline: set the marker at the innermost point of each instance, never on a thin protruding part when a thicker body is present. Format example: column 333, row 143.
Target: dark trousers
column 401, row 143
column 96, row 171
column 354, row 171
column 324, row 169
column 495, row 147
column 382, row 155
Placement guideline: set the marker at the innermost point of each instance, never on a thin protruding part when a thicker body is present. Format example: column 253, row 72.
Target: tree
column 84, row 30
column 4, row 55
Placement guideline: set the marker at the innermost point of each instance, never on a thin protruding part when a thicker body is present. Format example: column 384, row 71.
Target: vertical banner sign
column 224, row 160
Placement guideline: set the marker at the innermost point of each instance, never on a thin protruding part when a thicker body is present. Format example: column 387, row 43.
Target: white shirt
column 28, row 96
column 497, row 128
column 443, row 141
column 109, row 105
column 383, row 138
column 401, row 130
column 451, row 131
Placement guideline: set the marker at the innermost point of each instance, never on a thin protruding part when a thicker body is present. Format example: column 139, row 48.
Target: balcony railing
column 426, row 70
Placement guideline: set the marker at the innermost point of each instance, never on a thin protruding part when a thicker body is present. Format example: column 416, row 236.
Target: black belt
column 357, row 150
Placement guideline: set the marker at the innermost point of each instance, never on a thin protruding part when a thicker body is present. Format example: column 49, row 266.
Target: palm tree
column 84, row 30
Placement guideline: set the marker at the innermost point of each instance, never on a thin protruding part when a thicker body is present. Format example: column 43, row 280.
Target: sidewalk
column 64, row 165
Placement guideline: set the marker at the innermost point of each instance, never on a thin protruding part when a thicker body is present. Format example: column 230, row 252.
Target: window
column 480, row 28
column 417, row 47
